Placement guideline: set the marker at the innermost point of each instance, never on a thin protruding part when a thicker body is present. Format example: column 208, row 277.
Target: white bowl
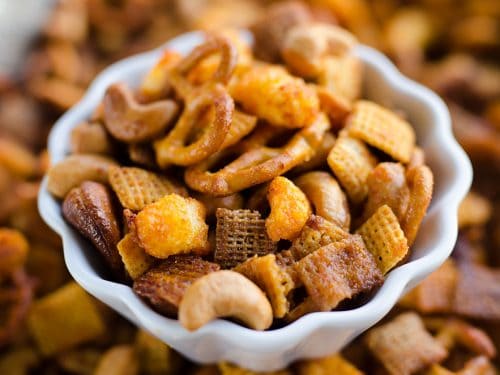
column 316, row 334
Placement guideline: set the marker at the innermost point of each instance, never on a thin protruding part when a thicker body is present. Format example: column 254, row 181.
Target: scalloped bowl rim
column 397, row 282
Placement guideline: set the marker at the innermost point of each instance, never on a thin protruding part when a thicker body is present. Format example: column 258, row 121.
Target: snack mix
column 258, row 172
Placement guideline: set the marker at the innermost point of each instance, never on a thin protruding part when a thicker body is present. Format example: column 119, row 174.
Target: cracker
column 271, row 278
column 403, row 345
column 384, row 238
column 317, row 232
column 338, row 271
column 342, row 75
column 240, row 235
column 351, row 161
column 133, row 256
column 382, row 129
column 164, row 286
column 136, row 187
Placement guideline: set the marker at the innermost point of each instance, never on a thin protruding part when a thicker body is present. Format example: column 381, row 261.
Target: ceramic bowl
column 316, row 334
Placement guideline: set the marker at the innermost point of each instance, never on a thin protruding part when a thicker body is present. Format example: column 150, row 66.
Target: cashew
column 225, row 294
column 75, row 169
column 307, row 45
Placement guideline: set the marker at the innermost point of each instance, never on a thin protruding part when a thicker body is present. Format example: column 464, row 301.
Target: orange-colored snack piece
column 317, row 233
column 384, row 238
column 173, row 225
column 383, row 129
column 342, row 76
column 403, row 345
column 267, row 274
column 155, row 84
column 270, row 93
column 352, row 162
column 164, row 286
column 13, row 250
column 134, row 258
column 290, row 209
column 136, row 187
column 338, row 271
column 333, row 364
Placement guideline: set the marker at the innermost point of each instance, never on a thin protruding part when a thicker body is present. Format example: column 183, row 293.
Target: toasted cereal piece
column 383, row 129
column 338, row 271
column 271, row 278
column 336, row 106
column 352, row 162
column 64, row 319
column 155, row 357
column 229, row 369
column 155, row 85
column 16, row 158
column 436, row 292
column 328, row 200
column 477, row 294
column 19, row 360
column 333, row 364
column 299, row 310
column 387, row 185
column 271, row 93
column 118, row 360
column 384, row 238
column 90, row 138
column 13, row 250
column 75, row 169
column 173, row 225
column 136, row 188
column 142, row 154
column 318, row 160
column 286, row 261
column 421, row 182
column 403, row 345
column 134, row 258
column 164, row 286
column 270, row 31
column 290, row 210
column 343, row 76
column 241, row 125
column 474, row 210
column 317, row 232
column 240, row 235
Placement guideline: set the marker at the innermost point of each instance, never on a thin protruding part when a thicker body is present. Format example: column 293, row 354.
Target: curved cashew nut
column 133, row 122
column 306, row 45
column 225, row 294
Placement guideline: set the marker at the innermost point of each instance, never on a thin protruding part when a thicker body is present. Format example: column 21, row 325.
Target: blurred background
column 50, row 50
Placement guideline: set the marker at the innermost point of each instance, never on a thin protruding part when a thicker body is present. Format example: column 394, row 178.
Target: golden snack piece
column 336, row 106
column 142, row 154
column 90, row 138
column 136, row 188
column 479, row 365
column 13, row 251
column 338, row 271
column 174, row 148
column 403, row 345
column 163, row 286
column 306, row 46
column 89, row 209
column 130, row 121
column 274, row 280
column 240, row 234
column 270, row 93
column 474, row 210
column 421, row 182
column 258, row 163
column 118, row 360
column 155, row 84
column 64, row 319
column 230, row 202
column 317, row 232
column 241, row 125
column 326, row 197
column 436, row 293
column 75, row 169
column 155, row 357
column 134, row 258
column 318, row 160
column 352, row 162
column 173, row 225
column 225, row 294
column 290, row 210
column 342, row 76
column 225, row 368
column 387, row 185
column 384, row 238
column 477, row 292
column 333, row 364
column 382, row 129
column 16, row 158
